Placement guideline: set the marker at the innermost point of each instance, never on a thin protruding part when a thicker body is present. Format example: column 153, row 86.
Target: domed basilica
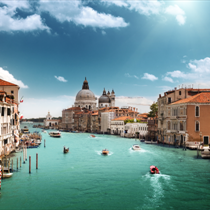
column 85, row 98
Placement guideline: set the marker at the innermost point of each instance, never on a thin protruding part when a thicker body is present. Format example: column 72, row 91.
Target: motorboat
column 105, row 152
column 142, row 140
column 55, row 134
column 44, row 131
column 25, row 130
column 7, row 175
column 136, row 147
column 154, row 170
column 93, row 136
column 65, row 150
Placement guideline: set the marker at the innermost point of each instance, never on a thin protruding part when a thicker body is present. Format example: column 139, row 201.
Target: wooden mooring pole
column 197, row 152
column 36, row 160
column 0, row 177
column 17, row 163
column 26, row 152
column 29, row 164
column 12, row 165
column 23, row 153
column 20, row 161
column 44, row 143
column 9, row 166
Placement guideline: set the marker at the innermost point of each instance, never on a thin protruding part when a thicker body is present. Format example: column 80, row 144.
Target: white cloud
column 5, row 75
column 149, row 77
column 41, row 106
column 175, row 10
column 168, row 79
column 9, row 23
column 61, row 79
column 200, row 66
column 75, row 11
column 145, row 7
column 141, row 103
column 128, row 75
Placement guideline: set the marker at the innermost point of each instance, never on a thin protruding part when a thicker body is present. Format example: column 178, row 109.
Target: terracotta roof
column 123, row 118
column 198, row 98
column 5, row 83
column 79, row 113
column 94, row 114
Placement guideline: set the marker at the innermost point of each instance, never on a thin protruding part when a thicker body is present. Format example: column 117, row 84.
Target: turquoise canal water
column 84, row 179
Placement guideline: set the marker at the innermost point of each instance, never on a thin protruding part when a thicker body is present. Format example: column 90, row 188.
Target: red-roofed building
column 188, row 120
column 165, row 111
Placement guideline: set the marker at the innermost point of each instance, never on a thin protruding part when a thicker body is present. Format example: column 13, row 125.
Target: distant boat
column 136, row 147
column 92, row 135
column 65, row 150
column 25, row 130
column 105, row 152
column 154, row 170
column 151, row 142
column 56, row 134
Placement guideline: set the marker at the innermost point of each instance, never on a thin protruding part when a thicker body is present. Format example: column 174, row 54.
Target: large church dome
column 85, row 97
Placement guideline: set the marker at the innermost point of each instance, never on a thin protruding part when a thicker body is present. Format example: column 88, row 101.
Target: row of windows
column 6, row 111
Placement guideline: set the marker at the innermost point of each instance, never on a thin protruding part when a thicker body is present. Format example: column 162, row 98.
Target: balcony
column 173, row 117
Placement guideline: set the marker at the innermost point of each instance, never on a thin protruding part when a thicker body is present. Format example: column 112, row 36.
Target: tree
column 154, row 110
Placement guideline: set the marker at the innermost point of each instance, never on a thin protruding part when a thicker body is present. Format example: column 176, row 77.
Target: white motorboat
column 44, row 131
column 25, row 130
column 55, row 134
column 7, row 175
column 136, row 147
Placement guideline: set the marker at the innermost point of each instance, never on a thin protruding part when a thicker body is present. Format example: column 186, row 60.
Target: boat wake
column 141, row 150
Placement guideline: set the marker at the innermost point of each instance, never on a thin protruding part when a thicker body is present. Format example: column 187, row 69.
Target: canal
column 84, row 179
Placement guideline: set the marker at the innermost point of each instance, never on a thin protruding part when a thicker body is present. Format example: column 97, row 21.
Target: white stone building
column 132, row 128
column 50, row 122
column 106, row 118
column 7, row 127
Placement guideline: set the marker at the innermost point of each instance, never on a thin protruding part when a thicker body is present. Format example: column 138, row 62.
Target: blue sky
column 137, row 48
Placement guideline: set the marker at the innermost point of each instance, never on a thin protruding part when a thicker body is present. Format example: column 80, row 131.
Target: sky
column 138, row 48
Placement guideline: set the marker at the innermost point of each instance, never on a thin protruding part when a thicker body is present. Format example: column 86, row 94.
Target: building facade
column 50, row 122
column 168, row 98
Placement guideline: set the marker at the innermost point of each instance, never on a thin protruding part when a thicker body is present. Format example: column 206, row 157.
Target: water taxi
column 136, row 147
column 55, row 134
column 92, row 135
column 7, row 175
column 105, row 152
column 25, row 130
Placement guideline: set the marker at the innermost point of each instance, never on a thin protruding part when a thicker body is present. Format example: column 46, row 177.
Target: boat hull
column 154, row 170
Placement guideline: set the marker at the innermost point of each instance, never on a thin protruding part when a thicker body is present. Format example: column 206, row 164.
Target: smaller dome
column 104, row 98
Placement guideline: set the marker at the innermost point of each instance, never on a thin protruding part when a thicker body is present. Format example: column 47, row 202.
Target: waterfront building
column 152, row 123
column 169, row 97
column 138, row 129
column 8, row 122
column 95, row 122
column 50, row 122
column 107, row 99
column 188, row 119
column 85, row 98
column 118, row 125
column 106, row 118
column 68, row 118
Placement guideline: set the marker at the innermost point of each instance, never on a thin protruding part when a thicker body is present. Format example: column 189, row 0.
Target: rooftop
column 5, row 83
column 199, row 98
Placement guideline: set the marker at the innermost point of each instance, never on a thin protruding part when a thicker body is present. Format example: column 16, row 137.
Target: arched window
column 181, row 126
column 197, row 126
column 197, row 111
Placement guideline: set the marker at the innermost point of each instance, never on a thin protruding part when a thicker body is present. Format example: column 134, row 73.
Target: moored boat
column 92, row 135
column 25, row 130
column 136, row 147
column 105, row 152
column 55, row 134
column 7, row 175
column 154, row 170
column 151, row 142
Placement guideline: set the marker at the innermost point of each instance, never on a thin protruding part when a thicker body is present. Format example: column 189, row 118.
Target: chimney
column 159, row 95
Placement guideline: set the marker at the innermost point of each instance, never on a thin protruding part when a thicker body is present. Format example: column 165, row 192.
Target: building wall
column 106, row 118
column 8, row 90
column 203, row 119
